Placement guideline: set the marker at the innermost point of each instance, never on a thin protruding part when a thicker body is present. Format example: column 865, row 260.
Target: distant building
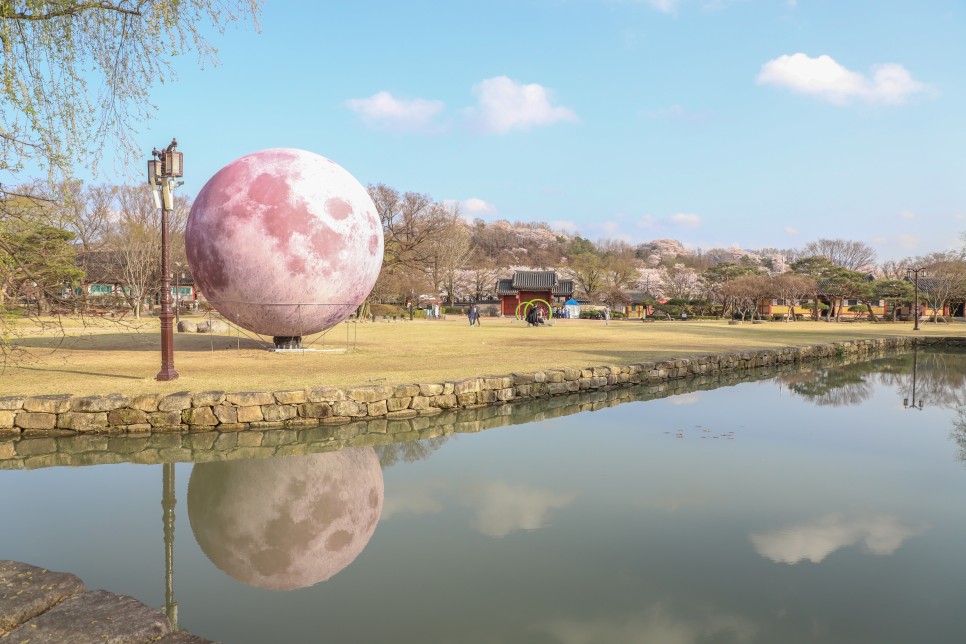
column 526, row 286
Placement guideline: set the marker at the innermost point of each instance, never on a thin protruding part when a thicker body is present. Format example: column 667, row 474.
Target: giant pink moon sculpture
column 284, row 242
column 288, row 522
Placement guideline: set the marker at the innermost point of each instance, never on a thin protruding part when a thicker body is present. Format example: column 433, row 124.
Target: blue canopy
column 572, row 302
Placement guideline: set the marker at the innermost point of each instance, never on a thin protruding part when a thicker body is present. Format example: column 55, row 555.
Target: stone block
column 35, row 420
column 232, row 427
column 99, row 403
column 405, row 391
column 402, row 413
column 315, row 410
column 165, row 418
column 83, row 421
column 53, row 404
column 27, row 591
column 175, row 402
column 571, row 374
column 371, row 393
column 324, row 394
column 348, row 408
column 12, row 403
column 199, row 416
column 467, row 398
column 557, row 388
column 146, row 402
column 421, row 402
column 250, row 398
column 445, row 401
column 469, row 385
column 397, row 403
column 225, row 413
column 213, row 326
column 207, row 398
column 379, row 408
column 290, row 397
column 6, row 418
column 249, row 414
column 266, row 424
column 430, row 389
column 522, row 378
column 275, row 413
column 126, row 416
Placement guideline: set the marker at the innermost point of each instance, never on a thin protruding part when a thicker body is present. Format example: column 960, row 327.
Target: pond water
column 819, row 505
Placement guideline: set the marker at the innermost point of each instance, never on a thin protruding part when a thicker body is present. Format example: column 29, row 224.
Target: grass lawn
column 106, row 357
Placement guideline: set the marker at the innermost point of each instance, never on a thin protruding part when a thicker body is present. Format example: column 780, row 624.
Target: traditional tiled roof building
column 526, row 286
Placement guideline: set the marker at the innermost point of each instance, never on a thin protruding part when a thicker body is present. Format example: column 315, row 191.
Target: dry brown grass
column 108, row 357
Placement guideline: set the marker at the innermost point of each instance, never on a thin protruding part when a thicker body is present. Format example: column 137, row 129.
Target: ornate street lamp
column 915, row 272
column 163, row 169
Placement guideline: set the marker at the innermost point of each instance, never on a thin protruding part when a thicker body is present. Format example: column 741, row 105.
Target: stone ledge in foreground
column 45, row 607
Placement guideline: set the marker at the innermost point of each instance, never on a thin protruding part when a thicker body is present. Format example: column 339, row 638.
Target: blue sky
column 716, row 122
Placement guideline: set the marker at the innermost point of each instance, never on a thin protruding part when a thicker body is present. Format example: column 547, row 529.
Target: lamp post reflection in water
column 167, row 504
column 915, row 367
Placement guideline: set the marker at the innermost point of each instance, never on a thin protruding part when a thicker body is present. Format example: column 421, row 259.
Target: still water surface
column 816, row 507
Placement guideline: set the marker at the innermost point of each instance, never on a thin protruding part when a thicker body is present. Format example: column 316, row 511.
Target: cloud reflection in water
column 817, row 539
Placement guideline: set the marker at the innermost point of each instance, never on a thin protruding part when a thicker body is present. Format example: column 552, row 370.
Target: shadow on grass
column 139, row 342
column 82, row 373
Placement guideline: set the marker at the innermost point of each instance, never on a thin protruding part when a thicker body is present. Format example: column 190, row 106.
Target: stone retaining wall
column 87, row 430
column 65, row 414
column 390, row 436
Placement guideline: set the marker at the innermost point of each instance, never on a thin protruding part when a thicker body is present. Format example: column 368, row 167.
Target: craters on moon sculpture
column 288, row 522
column 285, row 243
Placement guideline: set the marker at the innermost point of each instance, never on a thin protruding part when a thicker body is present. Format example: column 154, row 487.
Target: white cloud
column 385, row 111
column 502, row 508
column 907, row 214
column 685, row 220
column 826, row 79
column 646, row 221
column 504, row 105
column 684, row 399
column 477, row 206
column 658, row 623
column 815, row 540
column 791, row 230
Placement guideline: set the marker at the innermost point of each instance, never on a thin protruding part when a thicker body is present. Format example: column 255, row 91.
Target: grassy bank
column 123, row 357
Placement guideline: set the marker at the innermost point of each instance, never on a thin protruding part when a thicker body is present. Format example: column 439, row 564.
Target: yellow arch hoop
column 533, row 302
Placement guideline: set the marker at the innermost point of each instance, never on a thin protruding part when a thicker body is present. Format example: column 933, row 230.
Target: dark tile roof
column 505, row 287
column 564, row 288
column 534, row 280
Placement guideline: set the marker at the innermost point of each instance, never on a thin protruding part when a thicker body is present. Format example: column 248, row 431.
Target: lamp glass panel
column 173, row 163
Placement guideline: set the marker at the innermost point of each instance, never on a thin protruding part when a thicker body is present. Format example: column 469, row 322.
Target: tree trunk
column 871, row 312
